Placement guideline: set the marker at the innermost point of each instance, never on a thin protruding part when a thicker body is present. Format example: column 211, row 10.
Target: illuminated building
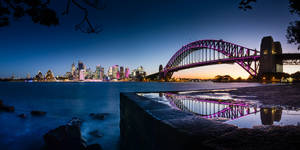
column 122, row 74
column 39, row 76
column 101, row 73
column 73, row 69
column 69, row 75
column 138, row 73
column 97, row 72
column 88, row 73
column 110, row 72
column 115, row 72
column 49, row 75
column 28, row 76
column 127, row 72
column 82, row 75
column 80, row 65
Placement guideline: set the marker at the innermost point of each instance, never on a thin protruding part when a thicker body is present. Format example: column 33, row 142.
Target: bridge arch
column 208, row 52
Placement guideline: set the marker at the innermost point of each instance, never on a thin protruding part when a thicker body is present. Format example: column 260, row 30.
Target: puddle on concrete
column 219, row 105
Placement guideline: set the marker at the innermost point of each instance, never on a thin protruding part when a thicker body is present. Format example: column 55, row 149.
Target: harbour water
column 62, row 101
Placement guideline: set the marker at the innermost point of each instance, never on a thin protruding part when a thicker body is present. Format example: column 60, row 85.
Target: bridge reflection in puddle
column 217, row 109
column 220, row 106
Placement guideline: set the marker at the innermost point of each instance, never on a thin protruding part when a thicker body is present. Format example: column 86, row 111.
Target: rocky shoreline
column 66, row 136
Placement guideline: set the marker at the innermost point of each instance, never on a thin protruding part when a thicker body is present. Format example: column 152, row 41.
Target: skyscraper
column 88, row 73
column 82, row 75
column 73, row 69
column 97, row 72
column 122, row 74
column 110, row 72
column 115, row 72
column 80, row 65
column 127, row 72
column 101, row 73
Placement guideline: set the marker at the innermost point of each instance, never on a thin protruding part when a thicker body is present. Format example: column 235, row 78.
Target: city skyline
column 80, row 72
column 130, row 38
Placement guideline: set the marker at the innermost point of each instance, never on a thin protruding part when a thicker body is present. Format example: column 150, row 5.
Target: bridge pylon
column 270, row 62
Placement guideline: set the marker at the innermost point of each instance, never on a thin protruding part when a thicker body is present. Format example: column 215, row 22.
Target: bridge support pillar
column 269, row 60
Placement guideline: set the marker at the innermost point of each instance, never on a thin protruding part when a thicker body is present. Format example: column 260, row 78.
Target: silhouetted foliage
column 246, row 4
column 296, row 76
column 293, row 30
column 295, row 6
column 40, row 12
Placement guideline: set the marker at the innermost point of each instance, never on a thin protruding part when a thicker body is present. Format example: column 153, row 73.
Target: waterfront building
column 138, row 74
column 69, row 75
column 115, row 72
column 122, row 73
column 82, row 75
column 127, row 72
column 49, row 75
column 76, row 75
column 88, row 73
column 28, row 76
column 39, row 76
column 73, row 69
column 101, row 73
column 80, row 65
column 110, row 72
column 97, row 72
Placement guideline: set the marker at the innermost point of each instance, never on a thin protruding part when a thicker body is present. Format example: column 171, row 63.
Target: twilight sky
column 141, row 32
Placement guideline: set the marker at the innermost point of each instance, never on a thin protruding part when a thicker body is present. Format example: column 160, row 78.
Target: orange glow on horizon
column 234, row 70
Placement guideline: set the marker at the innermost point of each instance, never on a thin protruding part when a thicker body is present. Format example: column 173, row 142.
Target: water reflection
column 211, row 108
column 269, row 115
column 223, row 107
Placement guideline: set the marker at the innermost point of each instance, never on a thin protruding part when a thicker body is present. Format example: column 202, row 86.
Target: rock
column 7, row 108
column 37, row 113
column 22, row 115
column 95, row 133
column 65, row 137
column 75, row 122
column 94, row 147
column 98, row 116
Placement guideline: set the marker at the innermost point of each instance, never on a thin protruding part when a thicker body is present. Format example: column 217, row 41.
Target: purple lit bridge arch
column 211, row 108
column 210, row 52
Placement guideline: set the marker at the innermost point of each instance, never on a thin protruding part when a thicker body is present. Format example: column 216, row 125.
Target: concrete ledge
column 149, row 125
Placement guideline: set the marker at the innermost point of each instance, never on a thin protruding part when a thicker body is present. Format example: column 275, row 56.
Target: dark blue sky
column 137, row 32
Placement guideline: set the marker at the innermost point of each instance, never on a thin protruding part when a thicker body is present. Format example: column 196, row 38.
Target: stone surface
column 65, row 137
column 37, row 113
column 68, row 137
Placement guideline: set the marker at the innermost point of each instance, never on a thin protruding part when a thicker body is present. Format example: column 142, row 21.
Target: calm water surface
column 62, row 101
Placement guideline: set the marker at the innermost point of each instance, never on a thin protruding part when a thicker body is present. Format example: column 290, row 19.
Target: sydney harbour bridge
column 269, row 59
